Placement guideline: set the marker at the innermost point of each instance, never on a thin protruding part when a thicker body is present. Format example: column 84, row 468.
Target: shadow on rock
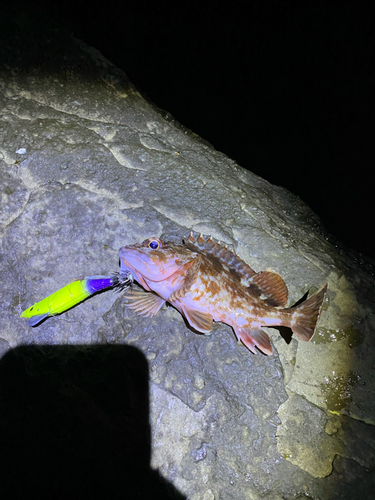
column 74, row 423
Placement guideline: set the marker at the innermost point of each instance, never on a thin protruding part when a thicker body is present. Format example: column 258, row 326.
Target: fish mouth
column 144, row 265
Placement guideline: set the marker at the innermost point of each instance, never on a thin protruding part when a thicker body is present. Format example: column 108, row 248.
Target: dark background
column 75, row 425
column 285, row 88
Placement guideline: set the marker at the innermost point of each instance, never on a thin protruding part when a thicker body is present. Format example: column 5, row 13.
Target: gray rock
column 101, row 168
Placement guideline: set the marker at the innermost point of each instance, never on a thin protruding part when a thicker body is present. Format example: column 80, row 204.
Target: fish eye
column 154, row 243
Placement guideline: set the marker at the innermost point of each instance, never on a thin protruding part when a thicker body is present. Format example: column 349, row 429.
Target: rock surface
column 87, row 166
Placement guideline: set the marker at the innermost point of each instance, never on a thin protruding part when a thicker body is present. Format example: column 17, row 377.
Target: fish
column 73, row 293
column 205, row 281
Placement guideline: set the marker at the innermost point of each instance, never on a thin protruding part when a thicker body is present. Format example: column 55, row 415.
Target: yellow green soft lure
column 72, row 294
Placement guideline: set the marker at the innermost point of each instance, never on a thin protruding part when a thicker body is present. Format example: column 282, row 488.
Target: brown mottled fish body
column 207, row 282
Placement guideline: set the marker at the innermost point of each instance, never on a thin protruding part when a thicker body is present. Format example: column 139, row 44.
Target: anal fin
column 252, row 338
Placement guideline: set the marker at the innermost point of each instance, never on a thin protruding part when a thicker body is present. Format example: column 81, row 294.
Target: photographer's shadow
column 74, row 423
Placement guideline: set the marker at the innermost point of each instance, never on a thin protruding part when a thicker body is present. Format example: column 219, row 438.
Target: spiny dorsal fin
column 272, row 286
column 267, row 283
column 221, row 252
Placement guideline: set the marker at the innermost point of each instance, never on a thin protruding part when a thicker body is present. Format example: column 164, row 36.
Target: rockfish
column 207, row 282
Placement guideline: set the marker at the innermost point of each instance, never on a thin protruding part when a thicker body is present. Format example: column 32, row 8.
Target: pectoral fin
column 144, row 303
column 198, row 320
column 251, row 338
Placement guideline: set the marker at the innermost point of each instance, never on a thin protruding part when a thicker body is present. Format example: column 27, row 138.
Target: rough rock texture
column 87, row 166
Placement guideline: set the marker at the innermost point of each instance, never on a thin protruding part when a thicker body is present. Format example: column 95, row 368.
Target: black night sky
column 285, row 88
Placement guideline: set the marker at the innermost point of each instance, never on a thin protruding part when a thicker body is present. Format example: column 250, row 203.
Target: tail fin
column 306, row 315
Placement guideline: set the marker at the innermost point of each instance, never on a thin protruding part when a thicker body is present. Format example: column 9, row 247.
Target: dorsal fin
column 267, row 283
column 222, row 252
column 272, row 286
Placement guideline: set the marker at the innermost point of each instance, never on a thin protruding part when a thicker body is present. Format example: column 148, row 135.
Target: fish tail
column 305, row 316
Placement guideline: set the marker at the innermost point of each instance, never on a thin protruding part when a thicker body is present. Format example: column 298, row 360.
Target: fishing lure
column 75, row 292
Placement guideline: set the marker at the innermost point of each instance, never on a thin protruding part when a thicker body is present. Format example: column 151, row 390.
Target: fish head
column 156, row 265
